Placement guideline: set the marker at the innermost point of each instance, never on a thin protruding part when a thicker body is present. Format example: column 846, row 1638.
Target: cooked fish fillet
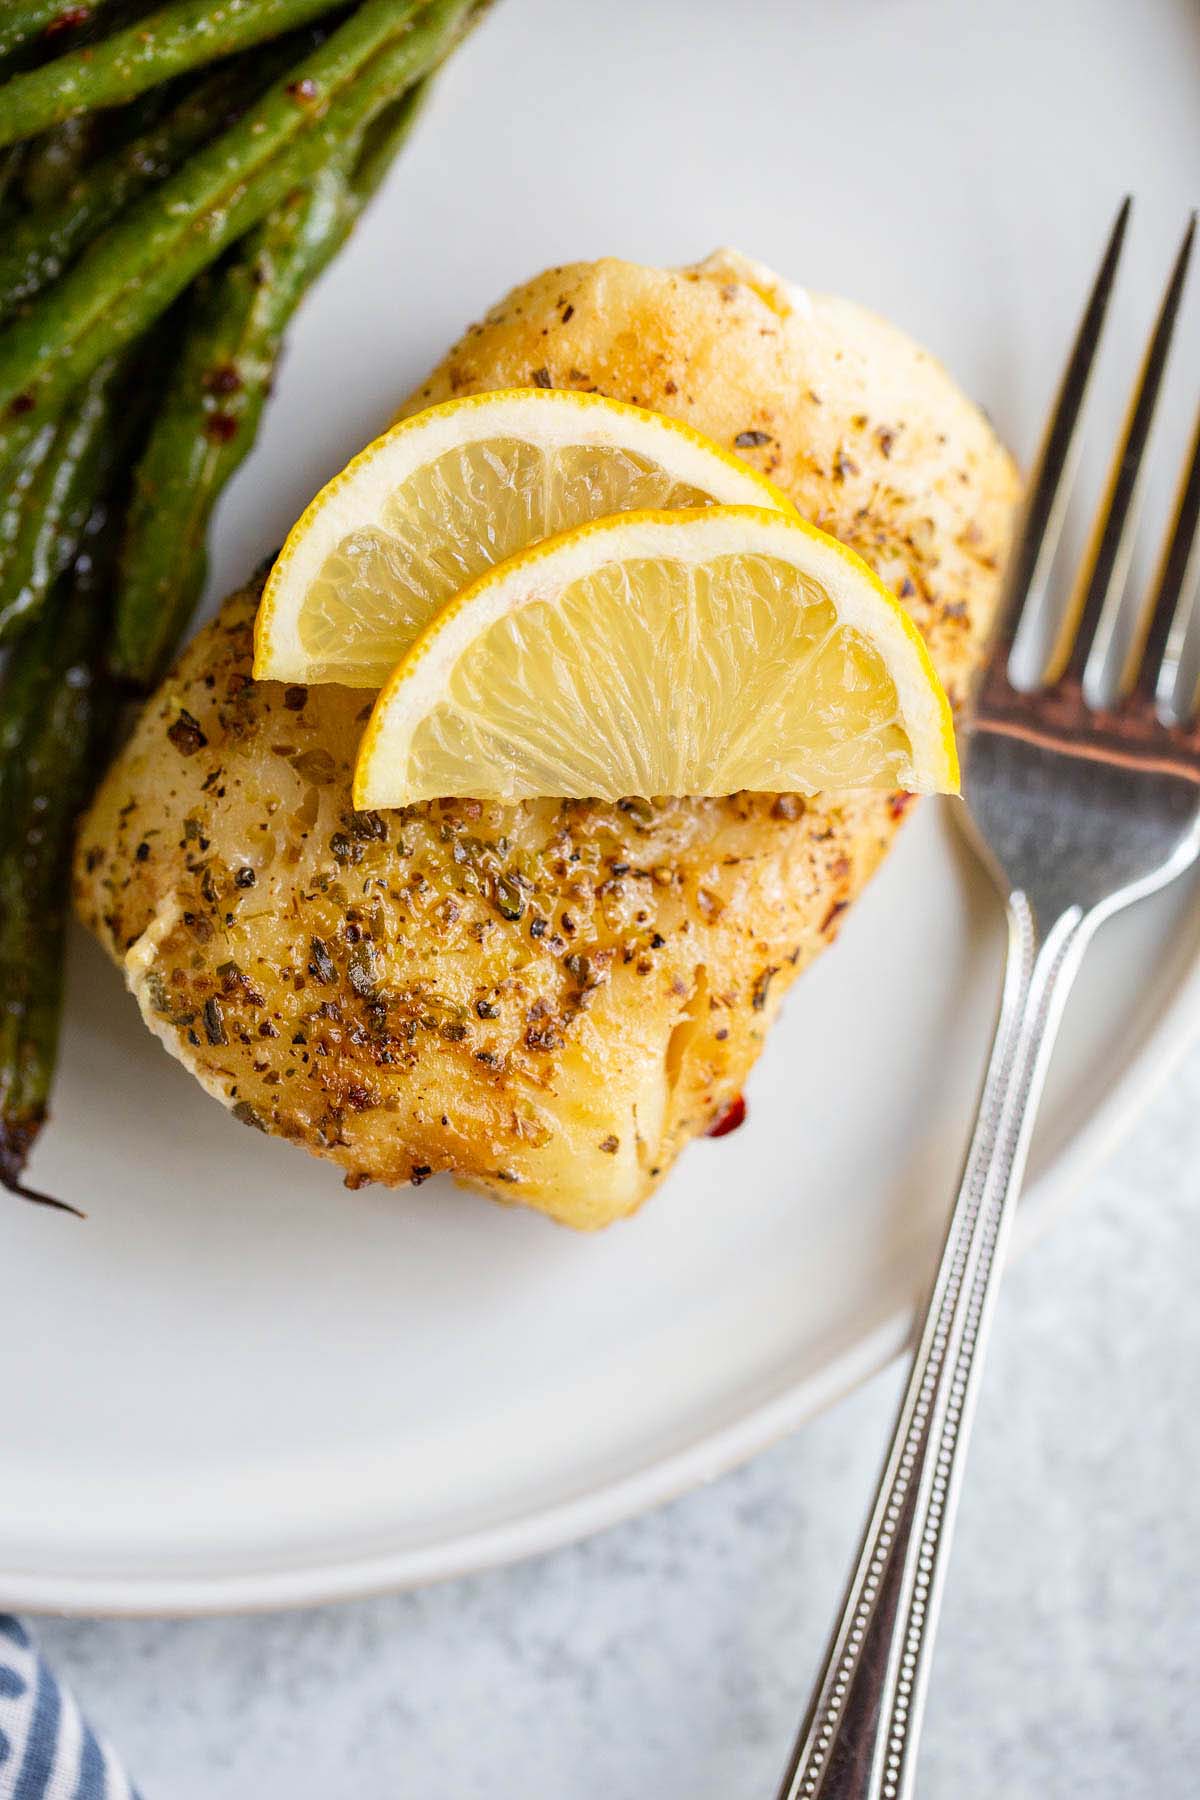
column 546, row 1000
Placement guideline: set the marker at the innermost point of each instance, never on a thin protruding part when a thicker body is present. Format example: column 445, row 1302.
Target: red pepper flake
column 224, row 379
column 220, row 427
column 541, row 378
column 235, row 982
column 899, row 803
column 670, row 387
column 750, row 440
column 67, row 20
column 730, row 1119
column 835, row 911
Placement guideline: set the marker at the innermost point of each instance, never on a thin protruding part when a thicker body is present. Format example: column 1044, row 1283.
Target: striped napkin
column 48, row 1751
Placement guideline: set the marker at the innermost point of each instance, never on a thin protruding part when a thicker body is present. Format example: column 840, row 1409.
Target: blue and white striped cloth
column 48, row 1751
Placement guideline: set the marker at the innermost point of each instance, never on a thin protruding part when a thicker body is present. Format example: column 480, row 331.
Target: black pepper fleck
column 214, row 1022
column 186, row 734
column 758, row 997
column 321, row 965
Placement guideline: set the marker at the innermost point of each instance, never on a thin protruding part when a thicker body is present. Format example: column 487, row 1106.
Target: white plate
column 238, row 1385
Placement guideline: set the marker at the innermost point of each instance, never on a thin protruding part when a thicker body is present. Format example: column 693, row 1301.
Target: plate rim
column 657, row 1479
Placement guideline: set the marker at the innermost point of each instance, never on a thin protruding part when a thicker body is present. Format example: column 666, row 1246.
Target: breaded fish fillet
column 546, row 1000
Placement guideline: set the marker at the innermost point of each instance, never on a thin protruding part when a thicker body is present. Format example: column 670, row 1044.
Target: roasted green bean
column 129, row 276
column 209, row 415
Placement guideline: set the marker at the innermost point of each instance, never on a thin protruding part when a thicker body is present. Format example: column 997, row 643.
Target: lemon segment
column 446, row 495
column 694, row 652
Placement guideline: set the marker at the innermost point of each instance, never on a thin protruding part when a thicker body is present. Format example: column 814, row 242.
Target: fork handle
column 859, row 1740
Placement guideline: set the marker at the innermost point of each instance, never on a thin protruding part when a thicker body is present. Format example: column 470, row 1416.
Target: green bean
column 54, row 160
column 37, row 250
column 61, row 498
column 25, row 22
column 18, row 487
column 178, row 37
column 130, row 276
column 11, row 162
column 56, row 720
column 382, row 142
column 210, row 413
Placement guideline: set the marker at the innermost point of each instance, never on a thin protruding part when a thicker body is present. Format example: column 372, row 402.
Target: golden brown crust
column 548, row 1000
column 863, row 430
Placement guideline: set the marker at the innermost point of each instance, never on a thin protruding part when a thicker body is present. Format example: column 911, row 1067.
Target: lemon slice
column 445, row 495
column 695, row 652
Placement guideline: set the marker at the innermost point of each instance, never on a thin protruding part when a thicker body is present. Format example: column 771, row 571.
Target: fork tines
column 1151, row 669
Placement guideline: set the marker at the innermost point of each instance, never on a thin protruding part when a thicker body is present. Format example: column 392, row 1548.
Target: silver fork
column 1077, row 811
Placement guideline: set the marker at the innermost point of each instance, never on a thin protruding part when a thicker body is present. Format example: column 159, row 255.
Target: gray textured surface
column 670, row 1657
